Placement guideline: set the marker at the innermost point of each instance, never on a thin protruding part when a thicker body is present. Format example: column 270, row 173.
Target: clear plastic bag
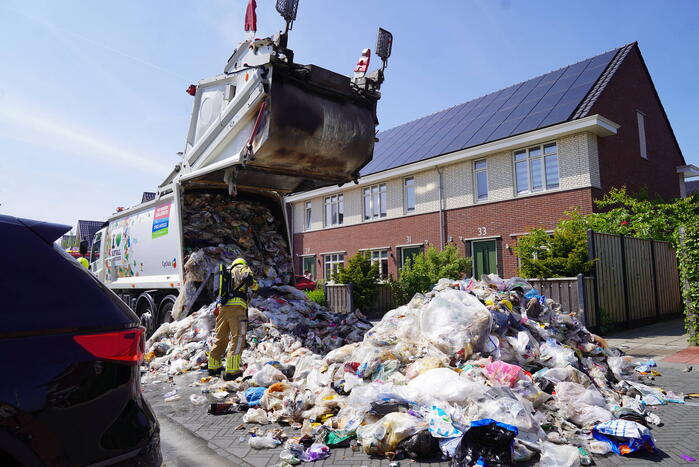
column 384, row 435
column 554, row 354
column 454, row 320
column 583, row 406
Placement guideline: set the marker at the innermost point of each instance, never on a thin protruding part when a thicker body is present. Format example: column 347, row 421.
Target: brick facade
column 421, row 228
column 620, row 161
column 507, row 218
column 501, row 219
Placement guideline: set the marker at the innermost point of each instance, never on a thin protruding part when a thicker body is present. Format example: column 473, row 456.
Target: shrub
column 562, row 254
column 421, row 272
column 317, row 295
column 364, row 278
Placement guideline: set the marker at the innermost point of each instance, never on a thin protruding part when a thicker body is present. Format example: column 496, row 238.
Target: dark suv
column 69, row 375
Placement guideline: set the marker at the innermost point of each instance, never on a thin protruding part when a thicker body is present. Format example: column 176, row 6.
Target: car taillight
column 123, row 346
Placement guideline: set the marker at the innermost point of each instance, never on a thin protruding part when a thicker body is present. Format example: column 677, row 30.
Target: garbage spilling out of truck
column 476, row 371
column 238, row 229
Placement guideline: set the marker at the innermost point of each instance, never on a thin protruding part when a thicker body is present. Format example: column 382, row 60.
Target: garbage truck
column 266, row 127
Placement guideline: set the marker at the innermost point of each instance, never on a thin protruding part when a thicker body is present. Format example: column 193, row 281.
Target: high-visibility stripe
column 214, row 364
column 233, row 364
column 237, row 301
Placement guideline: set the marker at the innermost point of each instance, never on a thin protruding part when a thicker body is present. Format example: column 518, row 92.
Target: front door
column 484, row 257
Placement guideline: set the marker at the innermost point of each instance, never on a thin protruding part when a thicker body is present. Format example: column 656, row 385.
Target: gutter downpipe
column 441, row 211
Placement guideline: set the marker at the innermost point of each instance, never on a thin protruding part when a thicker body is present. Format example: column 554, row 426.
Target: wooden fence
column 575, row 294
column 339, row 299
column 636, row 280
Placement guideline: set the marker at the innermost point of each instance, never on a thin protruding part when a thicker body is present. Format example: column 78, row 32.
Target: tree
column 421, row 272
column 364, row 278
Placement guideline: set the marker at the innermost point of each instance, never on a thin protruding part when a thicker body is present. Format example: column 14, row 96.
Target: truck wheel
column 165, row 312
column 145, row 309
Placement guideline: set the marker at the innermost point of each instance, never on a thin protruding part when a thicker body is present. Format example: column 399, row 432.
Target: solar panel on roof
column 541, row 101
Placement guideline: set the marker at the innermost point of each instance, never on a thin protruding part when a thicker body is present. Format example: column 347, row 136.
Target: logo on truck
column 172, row 263
column 161, row 220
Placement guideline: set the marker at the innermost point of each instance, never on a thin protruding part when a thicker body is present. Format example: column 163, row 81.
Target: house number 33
column 482, row 232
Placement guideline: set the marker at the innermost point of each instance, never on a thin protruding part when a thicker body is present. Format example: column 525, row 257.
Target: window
column 334, row 210
column 480, row 175
column 380, row 257
column 641, row 118
column 375, row 201
column 409, row 194
column 308, row 212
column 408, row 252
column 309, row 266
column 332, row 264
column 536, row 168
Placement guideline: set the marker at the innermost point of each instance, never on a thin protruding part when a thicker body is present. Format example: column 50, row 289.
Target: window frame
column 382, row 255
column 410, row 247
column 406, row 208
column 368, row 194
column 336, row 259
column 308, row 215
column 546, row 184
column 642, row 135
column 337, row 202
column 477, row 171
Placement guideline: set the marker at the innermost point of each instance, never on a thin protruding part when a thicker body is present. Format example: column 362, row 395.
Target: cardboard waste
column 474, row 371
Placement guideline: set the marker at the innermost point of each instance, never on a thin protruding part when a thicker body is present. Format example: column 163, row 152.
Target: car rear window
column 43, row 289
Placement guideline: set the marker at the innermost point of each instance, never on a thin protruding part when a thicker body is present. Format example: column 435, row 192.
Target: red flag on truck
column 251, row 16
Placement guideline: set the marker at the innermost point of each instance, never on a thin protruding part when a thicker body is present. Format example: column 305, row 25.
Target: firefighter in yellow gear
column 83, row 252
column 232, row 319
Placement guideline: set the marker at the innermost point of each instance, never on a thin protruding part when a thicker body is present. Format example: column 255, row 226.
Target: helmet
column 239, row 261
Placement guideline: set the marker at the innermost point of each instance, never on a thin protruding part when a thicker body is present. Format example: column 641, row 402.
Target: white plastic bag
column 256, row 416
column 559, row 455
column 443, row 384
column 263, row 442
column 267, row 376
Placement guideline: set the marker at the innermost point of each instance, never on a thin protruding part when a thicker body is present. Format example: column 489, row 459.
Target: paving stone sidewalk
column 678, row 435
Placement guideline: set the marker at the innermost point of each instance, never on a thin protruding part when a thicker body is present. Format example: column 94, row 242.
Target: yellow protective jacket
column 238, row 275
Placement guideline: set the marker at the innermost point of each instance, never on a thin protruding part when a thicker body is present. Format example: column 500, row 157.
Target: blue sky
column 93, row 106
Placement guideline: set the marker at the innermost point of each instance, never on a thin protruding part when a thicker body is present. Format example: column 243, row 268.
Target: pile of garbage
column 483, row 371
column 235, row 229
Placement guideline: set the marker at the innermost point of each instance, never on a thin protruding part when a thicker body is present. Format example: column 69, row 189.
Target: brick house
column 482, row 173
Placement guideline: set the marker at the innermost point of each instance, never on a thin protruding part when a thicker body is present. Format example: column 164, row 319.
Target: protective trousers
column 231, row 326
